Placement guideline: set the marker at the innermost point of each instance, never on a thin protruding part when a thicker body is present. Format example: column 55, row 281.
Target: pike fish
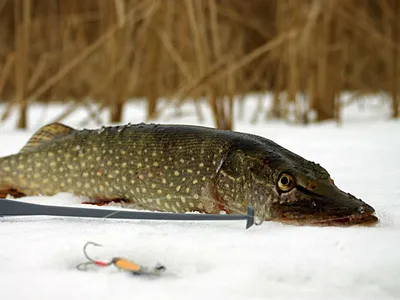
column 179, row 168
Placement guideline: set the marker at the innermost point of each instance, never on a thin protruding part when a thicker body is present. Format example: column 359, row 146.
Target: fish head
column 305, row 199
column 283, row 186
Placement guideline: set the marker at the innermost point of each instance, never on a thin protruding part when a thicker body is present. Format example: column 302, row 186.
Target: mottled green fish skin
column 177, row 168
column 164, row 168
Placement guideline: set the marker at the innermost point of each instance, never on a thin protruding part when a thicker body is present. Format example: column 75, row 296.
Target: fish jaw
column 332, row 207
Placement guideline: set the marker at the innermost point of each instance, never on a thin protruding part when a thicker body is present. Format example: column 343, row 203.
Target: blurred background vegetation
column 304, row 52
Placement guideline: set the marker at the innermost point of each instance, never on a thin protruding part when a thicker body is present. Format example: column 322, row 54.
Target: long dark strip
column 18, row 208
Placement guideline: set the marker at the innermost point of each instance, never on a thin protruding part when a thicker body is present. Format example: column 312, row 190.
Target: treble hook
column 91, row 261
column 96, row 262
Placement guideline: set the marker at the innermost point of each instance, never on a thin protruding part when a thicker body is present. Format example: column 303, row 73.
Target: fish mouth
column 330, row 207
column 367, row 220
column 353, row 220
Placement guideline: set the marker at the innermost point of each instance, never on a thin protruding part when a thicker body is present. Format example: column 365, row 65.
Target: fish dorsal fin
column 49, row 132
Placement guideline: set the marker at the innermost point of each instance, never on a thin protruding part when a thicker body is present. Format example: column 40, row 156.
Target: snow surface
column 211, row 260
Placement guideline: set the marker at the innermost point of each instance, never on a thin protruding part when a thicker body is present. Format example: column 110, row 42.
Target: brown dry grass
column 113, row 50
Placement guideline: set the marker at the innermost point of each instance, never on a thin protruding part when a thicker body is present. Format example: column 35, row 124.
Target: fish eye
column 285, row 182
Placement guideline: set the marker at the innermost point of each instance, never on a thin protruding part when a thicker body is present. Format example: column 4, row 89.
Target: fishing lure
column 120, row 263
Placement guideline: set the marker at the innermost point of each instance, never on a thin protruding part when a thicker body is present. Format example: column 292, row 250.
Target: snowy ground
column 223, row 260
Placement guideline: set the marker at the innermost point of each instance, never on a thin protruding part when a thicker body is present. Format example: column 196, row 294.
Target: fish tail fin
column 8, row 181
column 6, row 185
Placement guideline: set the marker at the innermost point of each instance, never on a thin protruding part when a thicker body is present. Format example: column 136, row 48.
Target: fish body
column 180, row 168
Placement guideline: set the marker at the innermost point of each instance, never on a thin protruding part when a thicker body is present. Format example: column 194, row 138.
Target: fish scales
column 155, row 167
column 180, row 168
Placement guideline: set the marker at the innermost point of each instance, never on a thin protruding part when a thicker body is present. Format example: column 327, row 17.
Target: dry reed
column 306, row 52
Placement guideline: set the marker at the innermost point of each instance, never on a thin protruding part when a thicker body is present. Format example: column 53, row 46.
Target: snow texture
column 222, row 260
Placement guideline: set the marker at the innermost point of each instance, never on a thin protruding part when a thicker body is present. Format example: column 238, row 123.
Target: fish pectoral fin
column 103, row 202
column 4, row 192
column 45, row 134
